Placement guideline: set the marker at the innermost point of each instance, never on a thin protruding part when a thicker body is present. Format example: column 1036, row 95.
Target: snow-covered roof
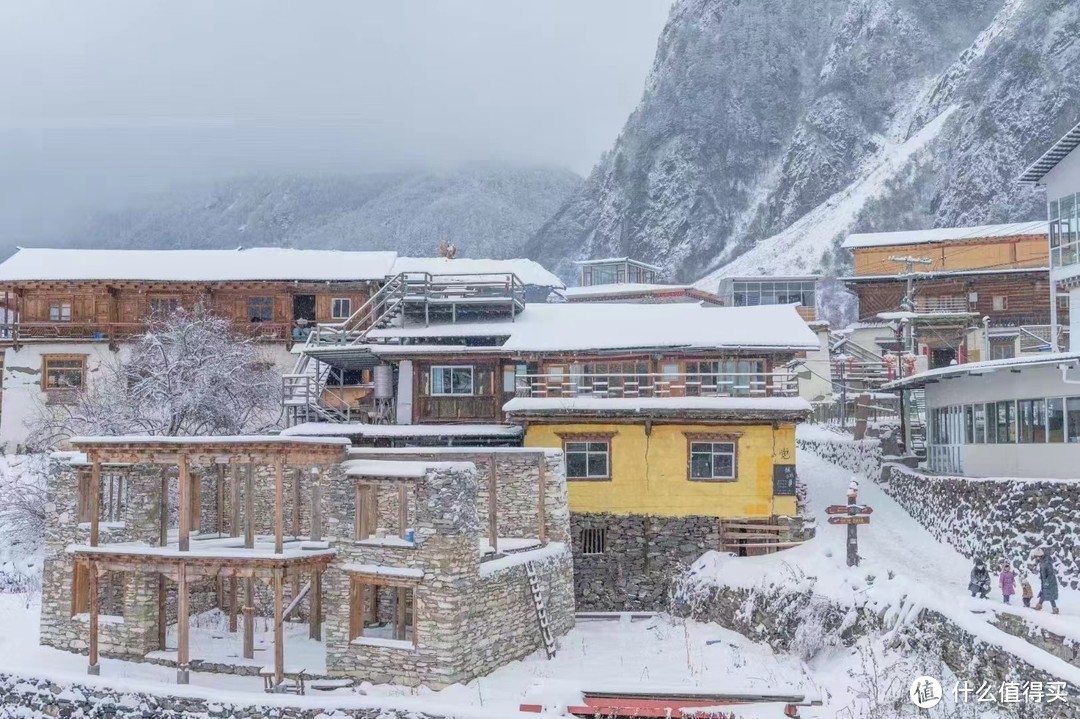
column 612, row 260
column 528, row 271
column 209, row 439
column 315, row 429
column 620, row 289
column 646, row 404
column 945, row 273
column 945, row 234
column 987, row 367
column 257, row 263
column 399, row 468
column 599, row 326
column 1050, row 159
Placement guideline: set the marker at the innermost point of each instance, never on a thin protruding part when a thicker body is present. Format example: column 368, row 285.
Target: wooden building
column 977, row 292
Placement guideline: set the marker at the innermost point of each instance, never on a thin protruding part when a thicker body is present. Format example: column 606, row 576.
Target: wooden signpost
column 851, row 514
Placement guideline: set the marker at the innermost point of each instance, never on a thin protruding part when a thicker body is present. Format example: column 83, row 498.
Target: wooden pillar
column 493, row 508
column 316, row 506
column 185, row 502
column 162, row 617
column 182, row 624
column 94, row 667
column 279, row 629
column 541, row 495
column 403, row 509
column 232, row 605
column 249, row 617
column 249, row 505
column 315, row 621
column 296, row 503
column 220, row 498
column 234, row 500
column 399, row 614
column 95, row 501
column 163, row 510
column 279, row 502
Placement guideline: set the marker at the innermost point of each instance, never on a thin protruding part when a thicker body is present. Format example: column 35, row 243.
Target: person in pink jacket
column 1007, row 582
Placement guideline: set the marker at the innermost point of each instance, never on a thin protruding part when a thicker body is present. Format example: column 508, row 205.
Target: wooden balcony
column 451, row 408
column 727, row 384
column 79, row 331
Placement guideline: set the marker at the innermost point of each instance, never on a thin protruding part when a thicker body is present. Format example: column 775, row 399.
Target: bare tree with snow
column 188, row 374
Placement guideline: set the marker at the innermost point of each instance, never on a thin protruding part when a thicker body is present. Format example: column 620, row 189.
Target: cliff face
column 769, row 129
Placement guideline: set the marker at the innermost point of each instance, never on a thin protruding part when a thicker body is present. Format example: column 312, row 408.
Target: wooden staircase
column 541, row 610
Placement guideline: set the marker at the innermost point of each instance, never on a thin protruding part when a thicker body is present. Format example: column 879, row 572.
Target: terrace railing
column 630, row 385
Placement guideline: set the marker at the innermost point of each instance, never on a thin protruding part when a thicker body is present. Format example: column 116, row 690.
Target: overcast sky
column 102, row 98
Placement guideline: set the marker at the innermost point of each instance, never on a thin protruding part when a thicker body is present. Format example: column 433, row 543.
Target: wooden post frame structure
column 217, row 555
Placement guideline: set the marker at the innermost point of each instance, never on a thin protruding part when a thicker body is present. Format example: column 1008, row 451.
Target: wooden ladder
column 541, row 610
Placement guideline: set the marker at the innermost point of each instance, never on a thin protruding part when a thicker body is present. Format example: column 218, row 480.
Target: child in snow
column 1025, row 590
column 979, row 586
column 1007, row 582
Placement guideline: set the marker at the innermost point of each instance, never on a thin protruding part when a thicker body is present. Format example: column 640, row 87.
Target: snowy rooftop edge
column 209, row 439
column 944, row 234
column 987, row 366
column 415, row 469
column 528, row 271
column 606, row 260
column 402, row 430
column 644, row 404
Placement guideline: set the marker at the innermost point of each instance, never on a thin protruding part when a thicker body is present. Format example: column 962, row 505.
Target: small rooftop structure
column 638, row 293
column 616, row 270
column 528, row 272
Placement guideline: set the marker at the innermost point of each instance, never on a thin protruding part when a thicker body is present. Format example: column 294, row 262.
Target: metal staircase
column 541, row 610
column 916, row 422
column 867, row 367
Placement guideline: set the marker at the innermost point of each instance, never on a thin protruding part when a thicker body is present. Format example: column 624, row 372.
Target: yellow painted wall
column 649, row 472
column 994, row 253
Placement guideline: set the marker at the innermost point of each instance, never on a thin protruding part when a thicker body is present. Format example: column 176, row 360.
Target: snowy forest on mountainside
column 800, row 120
column 486, row 211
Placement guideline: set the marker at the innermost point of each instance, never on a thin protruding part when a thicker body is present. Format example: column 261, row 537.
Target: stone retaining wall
column 861, row 457
column 997, row 519
column 39, row 697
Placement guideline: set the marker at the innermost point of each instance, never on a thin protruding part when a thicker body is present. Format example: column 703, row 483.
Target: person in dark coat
column 979, row 586
column 1048, row 583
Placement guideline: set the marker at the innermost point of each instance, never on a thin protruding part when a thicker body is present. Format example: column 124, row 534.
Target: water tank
column 384, row 381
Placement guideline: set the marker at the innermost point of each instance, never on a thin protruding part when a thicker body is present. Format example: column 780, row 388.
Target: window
column 1055, row 419
column 969, row 424
column 593, row 540
column 381, row 611
column 163, row 306
column 63, row 372
column 1002, row 348
column 588, row 459
column 1006, row 422
column 979, row 423
column 60, row 312
column 261, row 309
column 1032, row 421
column 451, row 380
column 512, row 374
column 347, row 377
column 712, row 461
column 1072, row 419
column 341, row 308
column 1000, row 303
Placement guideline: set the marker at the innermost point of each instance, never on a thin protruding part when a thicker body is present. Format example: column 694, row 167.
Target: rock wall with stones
column 997, row 519
column 468, row 620
column 862, row 457
column 24, row 696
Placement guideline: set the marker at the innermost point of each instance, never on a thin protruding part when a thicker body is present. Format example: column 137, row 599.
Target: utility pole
column 841, row 368
column 908, row 303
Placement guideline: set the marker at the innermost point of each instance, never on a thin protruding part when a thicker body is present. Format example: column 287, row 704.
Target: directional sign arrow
column 836, row 509
column 858, row 519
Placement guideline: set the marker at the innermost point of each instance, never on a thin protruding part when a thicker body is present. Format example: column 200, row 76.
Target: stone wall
column 39, row 697
column 997, row 519
column 862, row 457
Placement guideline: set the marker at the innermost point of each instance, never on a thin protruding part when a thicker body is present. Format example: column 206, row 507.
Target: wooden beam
column 249, row 505
column 249, row 617
column 316, row 505
column 234, row 500
column 163, row 510
column 541, row 497
column 279, row 503
column 220, row 497
column 162, row 612
column 95, row 502
column 182, row 623
column 94, row 667
column 296, row 503
column 279, row 629
column 185, row 502
column 399, row 614
column 232, row 605
column 315, row 620
column 493, row 507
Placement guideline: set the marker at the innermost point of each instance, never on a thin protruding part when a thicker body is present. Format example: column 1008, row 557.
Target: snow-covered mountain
column 769, row 129
column 485, row 211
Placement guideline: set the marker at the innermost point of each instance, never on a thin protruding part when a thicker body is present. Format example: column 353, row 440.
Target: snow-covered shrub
column 188, row 374
column 22, row 521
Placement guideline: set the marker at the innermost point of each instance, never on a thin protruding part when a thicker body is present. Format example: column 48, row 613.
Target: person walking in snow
column 1007, row 582
column 1025, row 590
column 1048, row 583
column 980, row 580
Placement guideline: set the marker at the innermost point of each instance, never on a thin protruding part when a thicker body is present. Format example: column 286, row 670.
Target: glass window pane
column 1072, row 418
column 598, row 464
column 701, row 465
column 1055, row 419
column 576, row 465
column 723, row 465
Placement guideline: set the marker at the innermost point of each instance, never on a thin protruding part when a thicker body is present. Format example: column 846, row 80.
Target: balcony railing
column 77, row 330
column 941, row 304
column 720, row 384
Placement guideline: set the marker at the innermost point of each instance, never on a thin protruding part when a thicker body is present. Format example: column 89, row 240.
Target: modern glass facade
column 746, row 293
column 1064, row 230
